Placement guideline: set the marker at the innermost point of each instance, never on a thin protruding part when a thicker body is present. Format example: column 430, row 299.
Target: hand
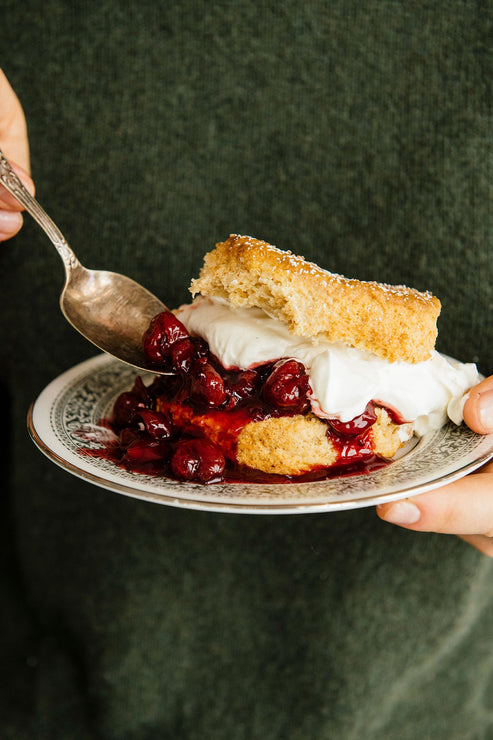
column 464, row 507
column 14, row 144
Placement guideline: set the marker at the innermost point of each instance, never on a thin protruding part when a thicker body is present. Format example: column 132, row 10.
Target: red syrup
column 185, row 425
column 237, row 474
column 357, row 426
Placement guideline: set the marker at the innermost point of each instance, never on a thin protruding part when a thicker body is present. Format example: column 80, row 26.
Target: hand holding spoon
column 110, row 310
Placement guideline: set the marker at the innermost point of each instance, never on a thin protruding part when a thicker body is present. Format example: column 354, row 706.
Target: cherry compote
column 130, row 403
column 186, row 424
column 164, row 331
column 357, row 426
column 197, row 460
column 287, row 387
column 156, row 424
column 207, row 386
column 241, row 386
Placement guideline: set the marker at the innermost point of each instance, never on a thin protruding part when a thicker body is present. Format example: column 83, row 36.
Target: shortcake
column 281, row 368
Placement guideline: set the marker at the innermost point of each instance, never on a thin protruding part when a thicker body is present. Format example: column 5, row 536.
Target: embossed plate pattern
column 85, row 394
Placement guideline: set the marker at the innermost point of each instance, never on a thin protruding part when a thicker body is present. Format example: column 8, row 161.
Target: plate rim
column 218, row 506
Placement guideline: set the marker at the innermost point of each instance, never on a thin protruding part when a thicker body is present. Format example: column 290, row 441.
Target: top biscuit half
column 391, row 321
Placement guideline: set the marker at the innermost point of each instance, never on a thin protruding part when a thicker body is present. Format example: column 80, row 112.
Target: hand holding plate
column 464, row 507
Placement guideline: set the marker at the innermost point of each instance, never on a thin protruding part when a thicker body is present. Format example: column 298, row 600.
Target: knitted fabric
column 358, row 134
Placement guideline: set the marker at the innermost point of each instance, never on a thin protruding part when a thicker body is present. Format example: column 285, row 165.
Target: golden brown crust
column 393, row 322
column 292, row 445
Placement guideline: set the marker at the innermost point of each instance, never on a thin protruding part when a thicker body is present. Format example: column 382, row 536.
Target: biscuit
column 391, row 321
column 287, row 445
column 293, row 445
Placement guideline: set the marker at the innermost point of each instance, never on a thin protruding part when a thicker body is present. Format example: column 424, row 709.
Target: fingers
column 11, row 219
column 13, row 130
column 14, row 144
column 464, row 507
column 478, row 409
column 10, row 223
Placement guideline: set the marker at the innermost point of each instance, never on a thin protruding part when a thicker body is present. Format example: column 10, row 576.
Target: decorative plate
column 61, row 418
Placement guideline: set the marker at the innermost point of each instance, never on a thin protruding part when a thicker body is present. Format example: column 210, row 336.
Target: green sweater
column 358, row 134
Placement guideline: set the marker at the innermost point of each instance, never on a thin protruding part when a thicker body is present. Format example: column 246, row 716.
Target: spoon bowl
column 110, row 310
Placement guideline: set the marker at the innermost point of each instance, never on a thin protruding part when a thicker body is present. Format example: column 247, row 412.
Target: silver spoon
column 110, row 310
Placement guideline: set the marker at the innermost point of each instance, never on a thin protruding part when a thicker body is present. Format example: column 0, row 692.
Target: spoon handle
column 12, row 183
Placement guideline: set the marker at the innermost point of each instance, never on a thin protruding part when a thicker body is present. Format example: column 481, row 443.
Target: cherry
column 240, row 386
column 137, row 446
column 164, row 331
column 156, row 424
column 197, row 460
column 125, row 408
column 127, row 436
column 357, row 426
column 207, row 386
column 163, row 386
column 287, row 386
column 183, row 354
column 129, row 403
column 200, row 346
column 245, row 384
column 141, row 390
column 146, row 449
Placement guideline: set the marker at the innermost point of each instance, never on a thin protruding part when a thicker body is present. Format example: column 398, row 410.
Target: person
column 154, row 133
column 463, row 508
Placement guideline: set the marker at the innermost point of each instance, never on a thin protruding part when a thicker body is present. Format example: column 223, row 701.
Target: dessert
column 280, row 370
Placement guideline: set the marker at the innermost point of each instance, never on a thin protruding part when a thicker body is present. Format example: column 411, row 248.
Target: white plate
column 85, row 394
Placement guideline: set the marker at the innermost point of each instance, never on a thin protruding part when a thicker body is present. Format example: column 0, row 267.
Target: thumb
column 13, row 129
column 478, row 409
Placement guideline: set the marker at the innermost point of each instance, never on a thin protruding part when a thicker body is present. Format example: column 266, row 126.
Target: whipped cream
column 343, row 379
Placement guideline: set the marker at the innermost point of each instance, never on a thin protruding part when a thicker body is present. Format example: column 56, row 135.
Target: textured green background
column 356, row 133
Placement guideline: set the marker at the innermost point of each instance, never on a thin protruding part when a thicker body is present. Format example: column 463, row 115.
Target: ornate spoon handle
column 12, row 183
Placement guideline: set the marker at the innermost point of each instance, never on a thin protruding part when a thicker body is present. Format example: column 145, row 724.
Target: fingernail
column 402, row 512
column 485, row 411
column 10, row 222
